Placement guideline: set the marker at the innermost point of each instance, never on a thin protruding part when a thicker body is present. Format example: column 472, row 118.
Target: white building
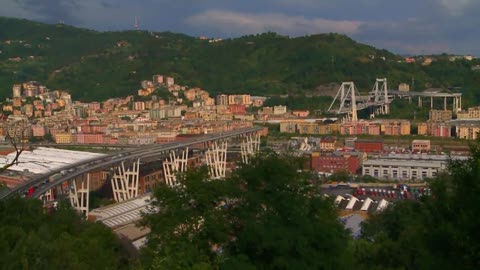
column 406, row 167
column 277, row 110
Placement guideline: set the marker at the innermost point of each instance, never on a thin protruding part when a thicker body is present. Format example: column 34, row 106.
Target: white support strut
column 174, row 164
column 216, row 157
column 125, row 182
column 79, row 194
column 249, row 147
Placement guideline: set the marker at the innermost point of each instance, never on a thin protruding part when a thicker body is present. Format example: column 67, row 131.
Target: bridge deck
column 99, row 163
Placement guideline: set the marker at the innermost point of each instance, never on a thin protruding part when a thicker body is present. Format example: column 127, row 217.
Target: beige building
column 277, row 110
column 404, row 87
column 288, row 127
column 239, row 99
column 440, row 115
column 63, row 138
column 471, row 113
column 422, row 129
column 222, row 99
column 469, row 132
column 421, row 146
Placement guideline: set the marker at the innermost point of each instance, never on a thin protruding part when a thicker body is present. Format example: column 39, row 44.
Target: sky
column 401, row 26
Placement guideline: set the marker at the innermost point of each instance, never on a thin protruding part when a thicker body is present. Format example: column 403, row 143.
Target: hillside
column 98, row 65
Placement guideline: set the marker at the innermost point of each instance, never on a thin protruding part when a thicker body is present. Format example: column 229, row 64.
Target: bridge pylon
column 216, row 156
column 125, row 182
column 174, row 164
column 249, row 147
column 79, row 194
column 379, row 95
column 346, row 93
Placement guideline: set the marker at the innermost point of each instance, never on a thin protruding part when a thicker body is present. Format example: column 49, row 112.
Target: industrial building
column 406, row 167
column 43, row 159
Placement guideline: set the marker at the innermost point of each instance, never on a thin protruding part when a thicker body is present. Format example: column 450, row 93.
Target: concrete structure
column 79, row 194
column 125, row 182
column 216, row 157
column 249, row 147
column 173, row 165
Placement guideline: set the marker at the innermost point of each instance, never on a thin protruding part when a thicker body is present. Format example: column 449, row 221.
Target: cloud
column 51, row 10
column 456, row 7
column 232, row 23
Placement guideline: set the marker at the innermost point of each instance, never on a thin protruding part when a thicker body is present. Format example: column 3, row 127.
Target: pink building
column 301, row 113
column 88, row 138
column 38, row 131
column 439, row 130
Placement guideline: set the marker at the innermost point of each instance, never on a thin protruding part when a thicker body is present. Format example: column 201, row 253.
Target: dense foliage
column 30, row 238
column 440, row 232
column 96, row 66
column 265, row 216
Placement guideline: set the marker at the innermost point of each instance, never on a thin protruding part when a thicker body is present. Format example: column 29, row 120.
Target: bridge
column 126, row 165
column 348, row 100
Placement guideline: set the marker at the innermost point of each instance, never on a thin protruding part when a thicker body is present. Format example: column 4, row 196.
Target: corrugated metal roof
column 43, row 160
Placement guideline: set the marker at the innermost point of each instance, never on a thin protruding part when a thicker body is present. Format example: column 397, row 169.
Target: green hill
column 98, row 65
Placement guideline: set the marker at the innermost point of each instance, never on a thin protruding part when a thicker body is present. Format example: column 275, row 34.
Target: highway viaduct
column 175, row 155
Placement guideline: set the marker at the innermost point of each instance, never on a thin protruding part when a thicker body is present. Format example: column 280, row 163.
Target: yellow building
column 471, row 113
column 422, row 129
column 469, row 132
column 239, row 99
column 63, row 138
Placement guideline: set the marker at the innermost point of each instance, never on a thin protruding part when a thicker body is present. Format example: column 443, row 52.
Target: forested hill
column 98, row 65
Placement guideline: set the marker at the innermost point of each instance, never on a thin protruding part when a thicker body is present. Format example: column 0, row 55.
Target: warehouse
column 43, row 160
column 406, row 167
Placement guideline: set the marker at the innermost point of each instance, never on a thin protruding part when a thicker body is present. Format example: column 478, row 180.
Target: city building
column 440, row 115
column 278, row 110
column 471, row 113
column 288, row 127
column 327, row 144
column 17, row 90
column 239, row 99
column 368, row 146
column 301, row 114
column 336, row 162
column 404, row 87
column 468, row 131
column 420, row 146
column 406, row 167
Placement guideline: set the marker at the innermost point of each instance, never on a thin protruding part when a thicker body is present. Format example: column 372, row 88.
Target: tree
column 438, row 232
column 266, row 215
column 16, row 137
column 32, row 238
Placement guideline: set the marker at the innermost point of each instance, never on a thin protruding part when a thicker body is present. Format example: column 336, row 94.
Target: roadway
column 49, row 180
